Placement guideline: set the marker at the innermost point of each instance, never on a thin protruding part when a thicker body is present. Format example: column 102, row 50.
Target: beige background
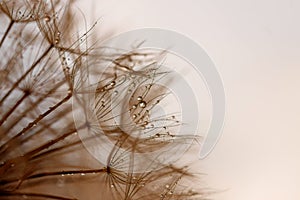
column 255, row 45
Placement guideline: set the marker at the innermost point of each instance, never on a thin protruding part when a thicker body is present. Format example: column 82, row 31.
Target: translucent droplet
column 82, row 174
column 47, row 18
column 140, row 98
column 134, row 116
column 116, row 92
column 112, row 185
column 113, row 83
column 142, row 104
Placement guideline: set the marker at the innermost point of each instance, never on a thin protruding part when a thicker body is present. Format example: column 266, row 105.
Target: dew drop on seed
column 113, row 83
column 47, row 18
column 140, row 98
column 142, row 104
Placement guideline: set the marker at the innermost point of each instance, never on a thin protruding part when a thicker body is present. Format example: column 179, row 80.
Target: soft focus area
column 255, row 45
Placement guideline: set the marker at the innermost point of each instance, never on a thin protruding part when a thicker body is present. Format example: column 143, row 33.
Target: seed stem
column 4, row 118
column 6, row 32
column 33, row 195
column 4, row 147
column 15, row 85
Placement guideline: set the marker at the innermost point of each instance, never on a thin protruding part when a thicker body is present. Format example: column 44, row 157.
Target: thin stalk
column 6, row 32
column 15, row 85
column 34, row 122
column 35, row 104
column 33, row 195
column 4, row 118
column 57, row 173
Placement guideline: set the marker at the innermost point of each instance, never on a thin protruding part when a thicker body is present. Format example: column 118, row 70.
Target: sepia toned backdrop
column 255, row 45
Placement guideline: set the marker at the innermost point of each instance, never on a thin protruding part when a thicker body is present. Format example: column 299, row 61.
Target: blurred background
column 255, row 45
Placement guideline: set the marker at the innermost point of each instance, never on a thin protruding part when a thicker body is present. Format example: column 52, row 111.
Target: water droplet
column 134, row 106
column 113, row 83
column 140, row 98
column 116, row 92
column 167, row 186
column 82, row 174
column 170, row 192
column 134, row 116
column 47, row 18
column 142, row 104
column 112, row 185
